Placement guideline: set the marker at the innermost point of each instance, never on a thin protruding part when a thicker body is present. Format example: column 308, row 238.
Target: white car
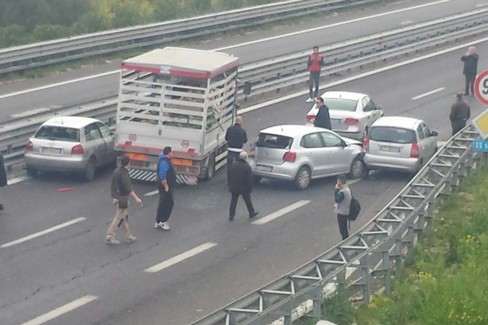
column 70, row 144
column 351, row 114
column 300, row 153
column 399, row 143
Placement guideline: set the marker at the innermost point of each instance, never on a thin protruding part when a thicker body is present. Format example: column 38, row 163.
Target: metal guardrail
column 269, row 76
column 366, row 261
column 79, row 47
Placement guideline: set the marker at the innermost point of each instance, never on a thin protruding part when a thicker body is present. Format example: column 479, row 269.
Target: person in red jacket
column 315, row 63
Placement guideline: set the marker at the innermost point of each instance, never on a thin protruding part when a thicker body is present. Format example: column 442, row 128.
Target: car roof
column 70, row 121
column 291, row 130
column 343, row 94
column 397, row 121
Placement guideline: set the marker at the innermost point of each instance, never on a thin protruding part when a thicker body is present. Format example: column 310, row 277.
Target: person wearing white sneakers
column 315, row 63
column 166, row 183
column 121, row 190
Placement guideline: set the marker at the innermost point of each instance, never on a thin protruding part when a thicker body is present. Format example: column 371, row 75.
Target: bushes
column 52, row 19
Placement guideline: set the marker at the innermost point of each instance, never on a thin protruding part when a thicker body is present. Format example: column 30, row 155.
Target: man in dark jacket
column 166, row 185
column 240, row 183
column 460, row 113
column 470, row 69
column 3, row 176
column 121, row 190
column 322, row 119
column 235, row 136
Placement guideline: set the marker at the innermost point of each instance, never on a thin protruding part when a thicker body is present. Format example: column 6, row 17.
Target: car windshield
column 273, row 141
column 59, row 133
column 341, row 104
column 391, row 134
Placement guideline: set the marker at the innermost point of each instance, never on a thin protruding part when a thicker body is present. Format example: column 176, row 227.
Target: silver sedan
column 351, row 114
column 70, row 143
column 300, row 153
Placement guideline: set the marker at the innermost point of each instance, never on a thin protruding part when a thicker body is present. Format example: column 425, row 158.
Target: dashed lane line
column 61, row 310
column 181, row 257
column 44, row 232
column 428, row 93
column 281, row 212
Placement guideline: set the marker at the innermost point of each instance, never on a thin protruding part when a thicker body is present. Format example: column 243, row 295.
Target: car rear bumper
column 54, row 163
column 283, row 172
column 381, row 162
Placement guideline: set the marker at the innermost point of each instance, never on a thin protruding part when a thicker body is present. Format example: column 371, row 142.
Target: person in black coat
column 240, row 183
column 322, row 119
column 3, row 176
column 470, row 69
column 236, row 137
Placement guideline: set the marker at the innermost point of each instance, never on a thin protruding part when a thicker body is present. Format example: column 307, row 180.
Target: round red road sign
column 481, row 87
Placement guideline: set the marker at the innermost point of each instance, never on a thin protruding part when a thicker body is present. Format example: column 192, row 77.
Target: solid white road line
column 428, row 93
column 333, row 25
column 362, row 75
column 152, row 193
column 61, row 310
column 181, row 257
column 230, row 47
column 281, row 212
column 44, row 232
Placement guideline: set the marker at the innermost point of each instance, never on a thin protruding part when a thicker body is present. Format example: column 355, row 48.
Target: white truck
column 177, row 97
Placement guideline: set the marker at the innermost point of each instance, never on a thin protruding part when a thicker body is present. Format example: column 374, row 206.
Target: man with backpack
column 342, row 198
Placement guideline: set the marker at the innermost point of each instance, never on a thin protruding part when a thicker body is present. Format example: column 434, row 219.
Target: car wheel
column 358, row 168
column 90, row 170
column 303, row 178
column 256, row 179
column 31, row 172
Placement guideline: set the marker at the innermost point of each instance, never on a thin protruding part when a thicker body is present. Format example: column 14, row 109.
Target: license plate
column 264, row 168
column 335, row 121
column 182, row 162
column 137, row 156
column 389, row 149
column 49, row 150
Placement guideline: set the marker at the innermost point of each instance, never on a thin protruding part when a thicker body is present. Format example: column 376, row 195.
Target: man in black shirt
column 236, row 137
column 322, row 119
column 470, row 69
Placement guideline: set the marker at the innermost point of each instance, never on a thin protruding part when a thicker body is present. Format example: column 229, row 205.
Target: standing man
column 121, row 189
column 322, row 120
column 342, row 198
column 166, row 185
column 314, row 64
column 470, row 69
column 235, row 136
column 3, row 177
column 240, row 183
column 460, row 113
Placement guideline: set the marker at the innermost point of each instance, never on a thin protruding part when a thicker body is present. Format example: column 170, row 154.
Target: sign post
column 481, row 87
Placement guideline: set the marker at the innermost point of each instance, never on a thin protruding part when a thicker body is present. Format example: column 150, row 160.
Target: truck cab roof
column 186, row 62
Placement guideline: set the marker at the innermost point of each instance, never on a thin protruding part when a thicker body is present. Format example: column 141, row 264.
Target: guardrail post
column 396, row 253
column 317, row 301
column 408, row 240
column 9, row 167
column 364, row 265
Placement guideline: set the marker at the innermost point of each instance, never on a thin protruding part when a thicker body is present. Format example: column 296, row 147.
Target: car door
column 108, row 138
column 371, row 112
column 316, row 153
column 95, row 144
column 339, row 158
column 430, row 142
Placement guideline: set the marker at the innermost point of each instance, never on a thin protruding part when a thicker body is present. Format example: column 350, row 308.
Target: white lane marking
column 406, row 22
column 26, row 91
column 22, row 92
column 428, row 93
column 181, row 257
column 152, row 193
column 42, row 233
column 61, row 310
column 332, row 25
column 281, row 212
column 362, row 75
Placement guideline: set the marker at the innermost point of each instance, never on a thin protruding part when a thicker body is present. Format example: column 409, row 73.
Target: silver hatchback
column 399, row 143
column 301, row 153
column 72, row 144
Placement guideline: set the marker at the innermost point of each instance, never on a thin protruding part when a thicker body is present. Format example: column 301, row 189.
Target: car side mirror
column 434, row 133
column 379, row 107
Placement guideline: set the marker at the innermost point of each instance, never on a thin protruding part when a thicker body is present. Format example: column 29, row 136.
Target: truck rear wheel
column 208, row 172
